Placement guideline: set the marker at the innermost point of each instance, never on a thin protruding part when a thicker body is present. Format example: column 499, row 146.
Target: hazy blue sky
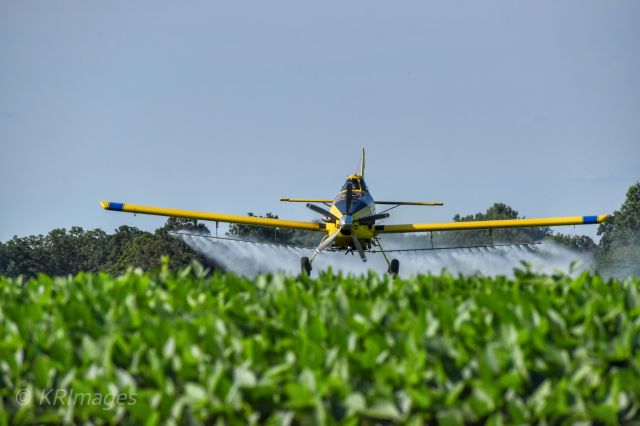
column 227, row 106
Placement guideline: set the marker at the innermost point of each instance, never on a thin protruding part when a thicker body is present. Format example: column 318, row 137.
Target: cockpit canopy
column 357, row 183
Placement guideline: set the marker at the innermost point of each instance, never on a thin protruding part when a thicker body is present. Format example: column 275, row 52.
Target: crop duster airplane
column 350, row 223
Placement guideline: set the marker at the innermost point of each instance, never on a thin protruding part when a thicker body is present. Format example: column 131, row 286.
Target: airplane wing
column 307, row 200
column 412, row 203
column 398, row 203
column 490, row 224
column 216, row 217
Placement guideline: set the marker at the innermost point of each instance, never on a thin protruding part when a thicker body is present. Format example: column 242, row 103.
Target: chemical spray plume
column 248, row 259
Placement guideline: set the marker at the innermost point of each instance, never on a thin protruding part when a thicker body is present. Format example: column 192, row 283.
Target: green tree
column 66, row 252
column 4, row 259
column 618, row 252
column 145, row 251
column 175, row 224
column 60, row 252
column 26, row 256
column 116, row 244
column 63, row 252
column 582, row 243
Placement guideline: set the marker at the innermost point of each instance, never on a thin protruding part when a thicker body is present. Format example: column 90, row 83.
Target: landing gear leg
column 305, row 266
column 394, row 265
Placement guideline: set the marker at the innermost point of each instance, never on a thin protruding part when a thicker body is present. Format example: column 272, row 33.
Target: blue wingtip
column 589, row 219
column 108, row 205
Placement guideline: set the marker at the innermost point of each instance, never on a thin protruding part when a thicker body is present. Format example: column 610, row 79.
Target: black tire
column 305, row 266
column 394, row 267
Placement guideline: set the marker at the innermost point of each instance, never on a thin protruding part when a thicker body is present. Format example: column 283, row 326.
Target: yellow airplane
column 350, row 223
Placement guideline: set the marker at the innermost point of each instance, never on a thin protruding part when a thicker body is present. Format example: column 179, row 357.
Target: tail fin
column 362, row 164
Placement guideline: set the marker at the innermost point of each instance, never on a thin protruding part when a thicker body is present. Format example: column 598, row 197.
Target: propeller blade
column 349, row 194
column 327, row 241
column 356, row 243
column 370, row 219
column 322, row 211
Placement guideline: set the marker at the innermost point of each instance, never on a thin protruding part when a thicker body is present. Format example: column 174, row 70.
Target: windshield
column 357, row 185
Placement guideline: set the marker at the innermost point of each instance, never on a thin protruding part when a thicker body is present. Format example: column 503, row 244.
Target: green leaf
column 43, row 371
column 384, row 410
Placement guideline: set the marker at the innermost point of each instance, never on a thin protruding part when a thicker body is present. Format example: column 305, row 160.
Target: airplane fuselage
column 362, row 205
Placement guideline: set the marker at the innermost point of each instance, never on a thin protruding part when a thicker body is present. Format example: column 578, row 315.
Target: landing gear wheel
column 394, row 267
column 305, row 266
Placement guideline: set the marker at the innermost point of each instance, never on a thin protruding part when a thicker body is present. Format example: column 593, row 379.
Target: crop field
column 188, row 348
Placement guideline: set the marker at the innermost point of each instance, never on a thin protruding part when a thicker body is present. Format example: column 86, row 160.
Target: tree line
column 63, row 252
